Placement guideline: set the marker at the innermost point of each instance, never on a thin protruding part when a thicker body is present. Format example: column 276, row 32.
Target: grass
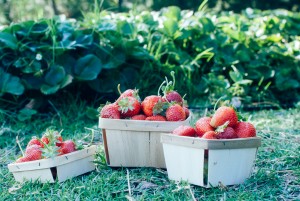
column 276, row 175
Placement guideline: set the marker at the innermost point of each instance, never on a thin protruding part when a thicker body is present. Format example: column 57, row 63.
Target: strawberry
column 156, row 118
column 33, row 152
column 22, row 159
column 175, row 113
column 110, row 111
column 128, row 93
column 51, row 136
column 67, row 146
column 139, row 117
column 209, row 135
column 129, row 106
column 168, row 90
column 36, row 141
column 245, row 129
column 227, row 133
column 222, row 115
column 184, row 131
column 187, row 112
column 148, row 103
column 202, row 126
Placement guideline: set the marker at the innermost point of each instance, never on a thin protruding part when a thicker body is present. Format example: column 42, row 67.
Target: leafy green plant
column 253, row 55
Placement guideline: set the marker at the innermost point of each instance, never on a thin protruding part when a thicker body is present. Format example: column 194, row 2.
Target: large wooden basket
column 209, row 163
column 135, row 143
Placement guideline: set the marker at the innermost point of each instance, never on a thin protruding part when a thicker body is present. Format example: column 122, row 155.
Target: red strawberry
column 129, row 106
column 128, row 93
column 245, row 129
column 187, row 111
column 52, row 136
column 139, row 117
column 33, row 152
column 67, row 146
column 36, row 141
column 209, row 135
column 184, row 131
column 168, row 90
column 174, row 96
column 110, row 111
column 228, row 133
column 148, row 103
column 22, row 159
column 202, row 126
column 222, row 115
column 175, row 113
column 156, row 118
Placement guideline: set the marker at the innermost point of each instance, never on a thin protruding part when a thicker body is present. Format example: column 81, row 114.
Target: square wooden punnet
column 59, row 168
column 209, row 163
column 135, row 143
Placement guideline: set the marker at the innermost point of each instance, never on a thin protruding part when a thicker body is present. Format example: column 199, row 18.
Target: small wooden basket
column 135, row 143
column 209, row 163
column 59, row 168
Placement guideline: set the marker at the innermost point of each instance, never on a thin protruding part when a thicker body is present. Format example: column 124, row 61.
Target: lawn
column 276, row 174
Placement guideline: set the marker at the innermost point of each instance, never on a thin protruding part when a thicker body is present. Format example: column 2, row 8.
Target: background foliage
column 252, row 56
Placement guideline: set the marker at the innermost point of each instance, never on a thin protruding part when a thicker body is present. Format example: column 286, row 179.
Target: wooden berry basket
column 209, row 163
column 59, row 168
column 135, row 143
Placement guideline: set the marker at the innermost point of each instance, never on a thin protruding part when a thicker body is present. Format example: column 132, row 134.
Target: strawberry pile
column 166, row 107
column 51, row 144
column 223, row 124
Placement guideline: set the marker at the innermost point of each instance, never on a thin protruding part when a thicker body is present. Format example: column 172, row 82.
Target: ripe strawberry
column 202, row 126
column 168, row 90
column 22, row 159
column 187, row 111
column 175, row 113
column 51, row 136
column 156, row 118
column 222, row 115
column 110, row 111
column 228, row 133
column 67, row 146
column 148, row 103
column 184, row 131
column 139, row 117
column 128, row 93
column 174, row 96
column 129, row 106
column 33, row 152
column 36, row 141
column 245, row 129
column 209, row 135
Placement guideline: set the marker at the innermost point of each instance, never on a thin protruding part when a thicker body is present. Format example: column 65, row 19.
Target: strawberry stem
column 18, row 143
column 215, row 106
column 160, row 87
column 173, row 76
column 119, row 89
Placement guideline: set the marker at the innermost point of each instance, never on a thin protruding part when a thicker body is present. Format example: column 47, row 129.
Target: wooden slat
column 211, row 144
column 230, row 166
column 157, row 158
column 128, row 148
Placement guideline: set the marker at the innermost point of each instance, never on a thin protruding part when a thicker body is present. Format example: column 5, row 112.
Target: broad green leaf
column 10, row 84
column 170, row 27
column 26, row 114
column 125, row 27
column 236, row 76
column 55, row 75
column 173, row 12
column 87, row 67
column 207, row 25
column 8, row 40
column 106, row 26
column 47, row 89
